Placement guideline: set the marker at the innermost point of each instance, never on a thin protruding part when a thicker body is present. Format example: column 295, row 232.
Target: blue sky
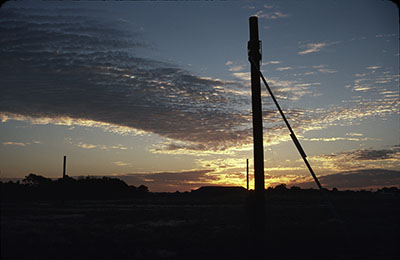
column 158, row 93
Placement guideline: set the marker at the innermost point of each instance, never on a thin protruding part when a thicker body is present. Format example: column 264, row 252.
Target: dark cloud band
column 63, row 65
column 358, row 179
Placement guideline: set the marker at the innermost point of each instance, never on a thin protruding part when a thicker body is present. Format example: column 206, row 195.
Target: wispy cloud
column 302, row 120
column 354, row 134
column 386, row 35
column 15, row 143
column 86, row 146
column 271, row 15
column 312, row 48
column 374, row 155
column 242, row 75
column 69, row 121
column 388, row 158
column 334, row 139
column 283, row 68
column 291, row 89
column 21, row 144
column 95, row 146
column 237, row 68
column 121, row 164
column 373, row 67
column 330, row 71
column 378, row 81
column 271, row 62
column 358, row 179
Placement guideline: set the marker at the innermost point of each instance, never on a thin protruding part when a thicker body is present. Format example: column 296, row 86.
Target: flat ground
column 181, row 227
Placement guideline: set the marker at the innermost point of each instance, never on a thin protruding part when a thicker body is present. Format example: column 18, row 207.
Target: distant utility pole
column 64, row 166
column 247, row 173
column 254, row 55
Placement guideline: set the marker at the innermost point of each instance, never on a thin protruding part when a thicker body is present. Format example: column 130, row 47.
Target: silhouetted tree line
column 281, row 189
column 35, row 187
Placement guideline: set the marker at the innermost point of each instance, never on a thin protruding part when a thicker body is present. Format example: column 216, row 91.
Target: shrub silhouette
column 36, row 180
column 38, row 187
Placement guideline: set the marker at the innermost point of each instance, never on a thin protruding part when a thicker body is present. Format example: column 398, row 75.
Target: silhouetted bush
column 36, row 180
column 281, row 187
column 36, row 187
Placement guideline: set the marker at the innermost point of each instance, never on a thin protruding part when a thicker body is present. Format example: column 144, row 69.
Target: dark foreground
column 192, row 226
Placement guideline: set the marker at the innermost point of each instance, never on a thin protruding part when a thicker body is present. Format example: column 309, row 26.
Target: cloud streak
column 121, row 164
column 312, row 48
column 15, row 143
column 358, row 179
column 388, row 158
column 271, row 15
column 21, row 144
column 95, row 146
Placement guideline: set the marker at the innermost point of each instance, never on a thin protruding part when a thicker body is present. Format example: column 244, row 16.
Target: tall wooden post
column 254, row 54
column 64, row 166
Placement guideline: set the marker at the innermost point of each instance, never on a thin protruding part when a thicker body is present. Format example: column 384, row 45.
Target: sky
column 158, row 93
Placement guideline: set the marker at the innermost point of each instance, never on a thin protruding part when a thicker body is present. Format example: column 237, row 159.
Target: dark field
column 195, row 226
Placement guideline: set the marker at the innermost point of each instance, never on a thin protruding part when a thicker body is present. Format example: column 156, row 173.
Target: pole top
column 253, row 24
column 254, row 44
column 254, row 18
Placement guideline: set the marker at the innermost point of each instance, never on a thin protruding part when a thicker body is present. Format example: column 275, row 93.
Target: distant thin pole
column 247, row 173
column 64, row 166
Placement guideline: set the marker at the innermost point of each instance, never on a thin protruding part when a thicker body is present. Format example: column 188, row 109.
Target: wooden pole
column 254, row 54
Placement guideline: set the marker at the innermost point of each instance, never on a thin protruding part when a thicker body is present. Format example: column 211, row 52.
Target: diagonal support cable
column 297, row 143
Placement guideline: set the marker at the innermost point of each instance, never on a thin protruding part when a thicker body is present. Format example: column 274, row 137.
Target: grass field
column 171, row 226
